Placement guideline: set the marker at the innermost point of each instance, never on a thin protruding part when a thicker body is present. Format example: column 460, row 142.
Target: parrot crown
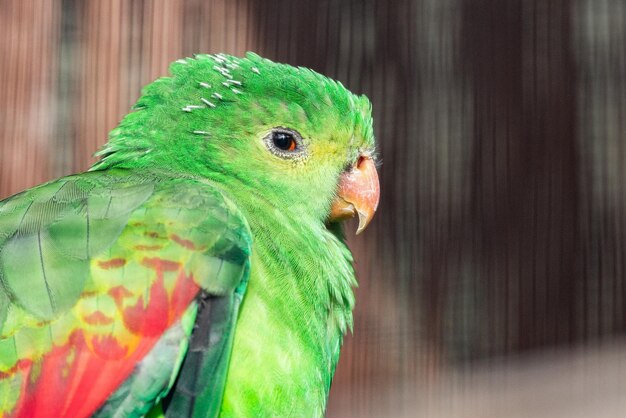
column 215, row 95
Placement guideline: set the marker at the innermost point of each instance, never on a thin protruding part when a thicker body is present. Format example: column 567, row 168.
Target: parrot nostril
column 360, row 161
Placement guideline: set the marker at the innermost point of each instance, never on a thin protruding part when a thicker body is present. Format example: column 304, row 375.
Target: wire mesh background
column 502, row 128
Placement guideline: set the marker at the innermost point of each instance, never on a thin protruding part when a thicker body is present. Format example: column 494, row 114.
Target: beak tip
column 364, row 220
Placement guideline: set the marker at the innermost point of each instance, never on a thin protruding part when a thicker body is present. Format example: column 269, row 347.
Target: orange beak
column 358, row 193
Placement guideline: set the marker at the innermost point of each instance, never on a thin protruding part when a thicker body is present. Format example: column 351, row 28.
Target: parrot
column 199, row 268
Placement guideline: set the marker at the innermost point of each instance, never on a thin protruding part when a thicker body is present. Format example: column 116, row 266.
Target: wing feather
column 97, row 272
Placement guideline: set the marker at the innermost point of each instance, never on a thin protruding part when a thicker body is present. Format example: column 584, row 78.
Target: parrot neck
column 296, row 310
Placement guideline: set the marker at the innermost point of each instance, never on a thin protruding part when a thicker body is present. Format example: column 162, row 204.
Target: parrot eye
column 285, row 143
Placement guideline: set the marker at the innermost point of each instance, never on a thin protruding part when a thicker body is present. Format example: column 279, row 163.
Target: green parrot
column 198, row 269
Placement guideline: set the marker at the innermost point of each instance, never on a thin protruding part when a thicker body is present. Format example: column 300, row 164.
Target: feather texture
column 98, row 273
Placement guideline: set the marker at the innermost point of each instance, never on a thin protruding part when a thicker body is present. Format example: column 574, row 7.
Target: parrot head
column 271, row 132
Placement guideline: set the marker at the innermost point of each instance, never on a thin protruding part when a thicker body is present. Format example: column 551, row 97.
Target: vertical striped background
column 502, row 128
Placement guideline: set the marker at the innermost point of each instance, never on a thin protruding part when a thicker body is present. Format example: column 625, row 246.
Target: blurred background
column 493, row 278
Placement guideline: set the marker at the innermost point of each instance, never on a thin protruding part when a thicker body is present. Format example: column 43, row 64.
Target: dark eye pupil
column 283, row 141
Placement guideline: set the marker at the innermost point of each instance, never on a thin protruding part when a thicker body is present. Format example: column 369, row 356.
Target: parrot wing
column 114, row 288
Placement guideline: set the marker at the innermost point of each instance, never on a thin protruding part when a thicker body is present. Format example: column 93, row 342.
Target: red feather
column 75, row 379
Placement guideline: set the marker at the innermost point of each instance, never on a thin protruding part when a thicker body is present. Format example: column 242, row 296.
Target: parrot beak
column 358, row 193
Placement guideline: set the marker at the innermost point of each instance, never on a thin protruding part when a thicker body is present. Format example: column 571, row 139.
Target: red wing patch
column 150, row 318
column 73, row 380
column 112, row 263
column 98, row 318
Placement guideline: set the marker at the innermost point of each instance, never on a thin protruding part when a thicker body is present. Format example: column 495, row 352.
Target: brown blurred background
column 494, row 273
